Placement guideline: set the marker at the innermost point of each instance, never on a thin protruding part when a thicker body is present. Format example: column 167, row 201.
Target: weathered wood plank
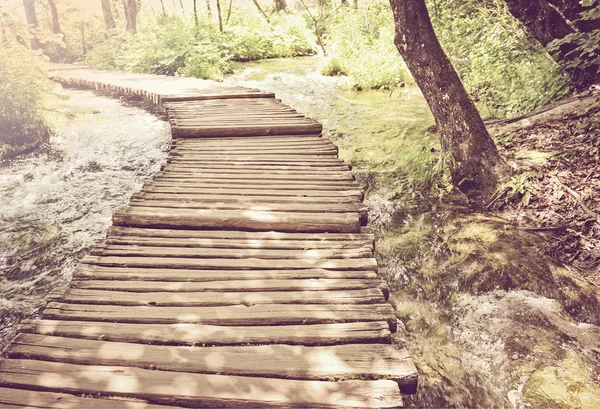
column 368, row 264
column 232, row 198
column 197, row 390
column 253, row 176
column 237, row 315
column 20, row 398
column 194, row 334
column 155, row 187
column 241, row 243
column 134, row 216
column 217, row 299
column 208, row 252
column 258, row 186
column 235, row 234
column 93, row 272
column 368, row 361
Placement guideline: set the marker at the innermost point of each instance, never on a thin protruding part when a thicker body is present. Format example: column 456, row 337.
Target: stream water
column 55, row 205
column 476, row 344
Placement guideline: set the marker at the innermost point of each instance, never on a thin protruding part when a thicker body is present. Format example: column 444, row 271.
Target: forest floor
column 556, row 191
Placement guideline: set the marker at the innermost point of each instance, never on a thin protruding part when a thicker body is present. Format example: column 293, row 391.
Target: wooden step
column 237, row 315
column 377, row 332
column 196, row 390
column 370, row 361
column 133, row 216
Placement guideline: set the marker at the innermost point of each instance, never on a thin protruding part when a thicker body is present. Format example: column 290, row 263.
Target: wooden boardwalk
column 236, row 278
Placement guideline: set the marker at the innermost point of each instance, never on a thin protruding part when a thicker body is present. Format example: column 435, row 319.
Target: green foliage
column 504, row 70
column 173, row 45
column 24, row 86
column 361, row 43
column 431, row 172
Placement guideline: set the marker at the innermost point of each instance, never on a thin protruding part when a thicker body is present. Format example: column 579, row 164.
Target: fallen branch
column 577, row 197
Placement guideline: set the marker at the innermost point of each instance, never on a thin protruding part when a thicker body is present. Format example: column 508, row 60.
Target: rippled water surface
column 57, row 204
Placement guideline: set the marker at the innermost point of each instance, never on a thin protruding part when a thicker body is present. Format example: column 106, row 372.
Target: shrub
column 24, row 86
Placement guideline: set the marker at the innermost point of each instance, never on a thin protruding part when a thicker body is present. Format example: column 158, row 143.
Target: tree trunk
column 261, row 10
column 477, row 164
column 181, row 5
column 229, row 11
column 280, row 5
column 542, row 21
column 343, row 1
column 355, row 4
column 219, row 15
column 196, row 14
column 109, row 19
column 55, row 21
column 32, row 20
column 131, row 15
column 208, row 9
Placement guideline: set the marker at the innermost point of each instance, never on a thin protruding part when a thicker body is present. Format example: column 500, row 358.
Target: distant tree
column 280, row 5
column 208, row 9
column 196, row 14
column 55, row 21
column 476, row 164
column 219, row 15
column 261, row 10
column 109, row 19
column 229, row 11
column 32, row 21
column 131, row 11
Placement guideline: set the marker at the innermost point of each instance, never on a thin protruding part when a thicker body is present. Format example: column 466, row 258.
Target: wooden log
column 241, row 243
column 218, row 299
column 197, row 390
column 193, row 334
column 18, row 399
column 369, row 361
column 243, row 253
column 164, row 275
column 235, row 315
column 368, row 264
column 235, row 234
column 229, row 219
column 247, row 199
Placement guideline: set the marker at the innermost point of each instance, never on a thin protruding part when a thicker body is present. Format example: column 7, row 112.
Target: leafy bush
column 173, row 45
column 361, row 43
column 506, row 72
column 24, row 86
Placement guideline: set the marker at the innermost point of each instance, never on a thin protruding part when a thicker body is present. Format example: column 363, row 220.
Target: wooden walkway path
column 236, row 278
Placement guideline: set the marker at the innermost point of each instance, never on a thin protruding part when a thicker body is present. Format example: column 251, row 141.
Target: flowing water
column 477, row 304
column 55, row 205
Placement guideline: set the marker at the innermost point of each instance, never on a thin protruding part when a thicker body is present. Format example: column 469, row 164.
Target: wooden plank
column 155, row 187
column 235, row 234
column 204, row 252
column 208, row 335
column 255, row 185
column 219, row 198
column 217, row 299
column 244, row 130
column 356, row 207
column 197, row 390
column 169, row 285
column 241, row 243
column 19, row 399
column 282, row 153
column 241, row 175
column 236, row 315
column 368, row 361
column 268, row 158
column 235, row 167
column 93, row 272
column 202, row 97
column 134, row 216
column 368, row 264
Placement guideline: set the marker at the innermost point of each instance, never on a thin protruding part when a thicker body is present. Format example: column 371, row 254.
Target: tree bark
column 55, row 20
column 261, row 10
column 280, row 5
column 476, row 163
column 131, row 9
column 208, row 9
column 219, row 15
column 542, row 21
column 196, row 14
column 229, row 11
column 109, row 19
column 32, row 20
column 164, row 10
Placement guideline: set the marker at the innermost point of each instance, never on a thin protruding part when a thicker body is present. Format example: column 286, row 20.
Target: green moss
column 564, row 385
